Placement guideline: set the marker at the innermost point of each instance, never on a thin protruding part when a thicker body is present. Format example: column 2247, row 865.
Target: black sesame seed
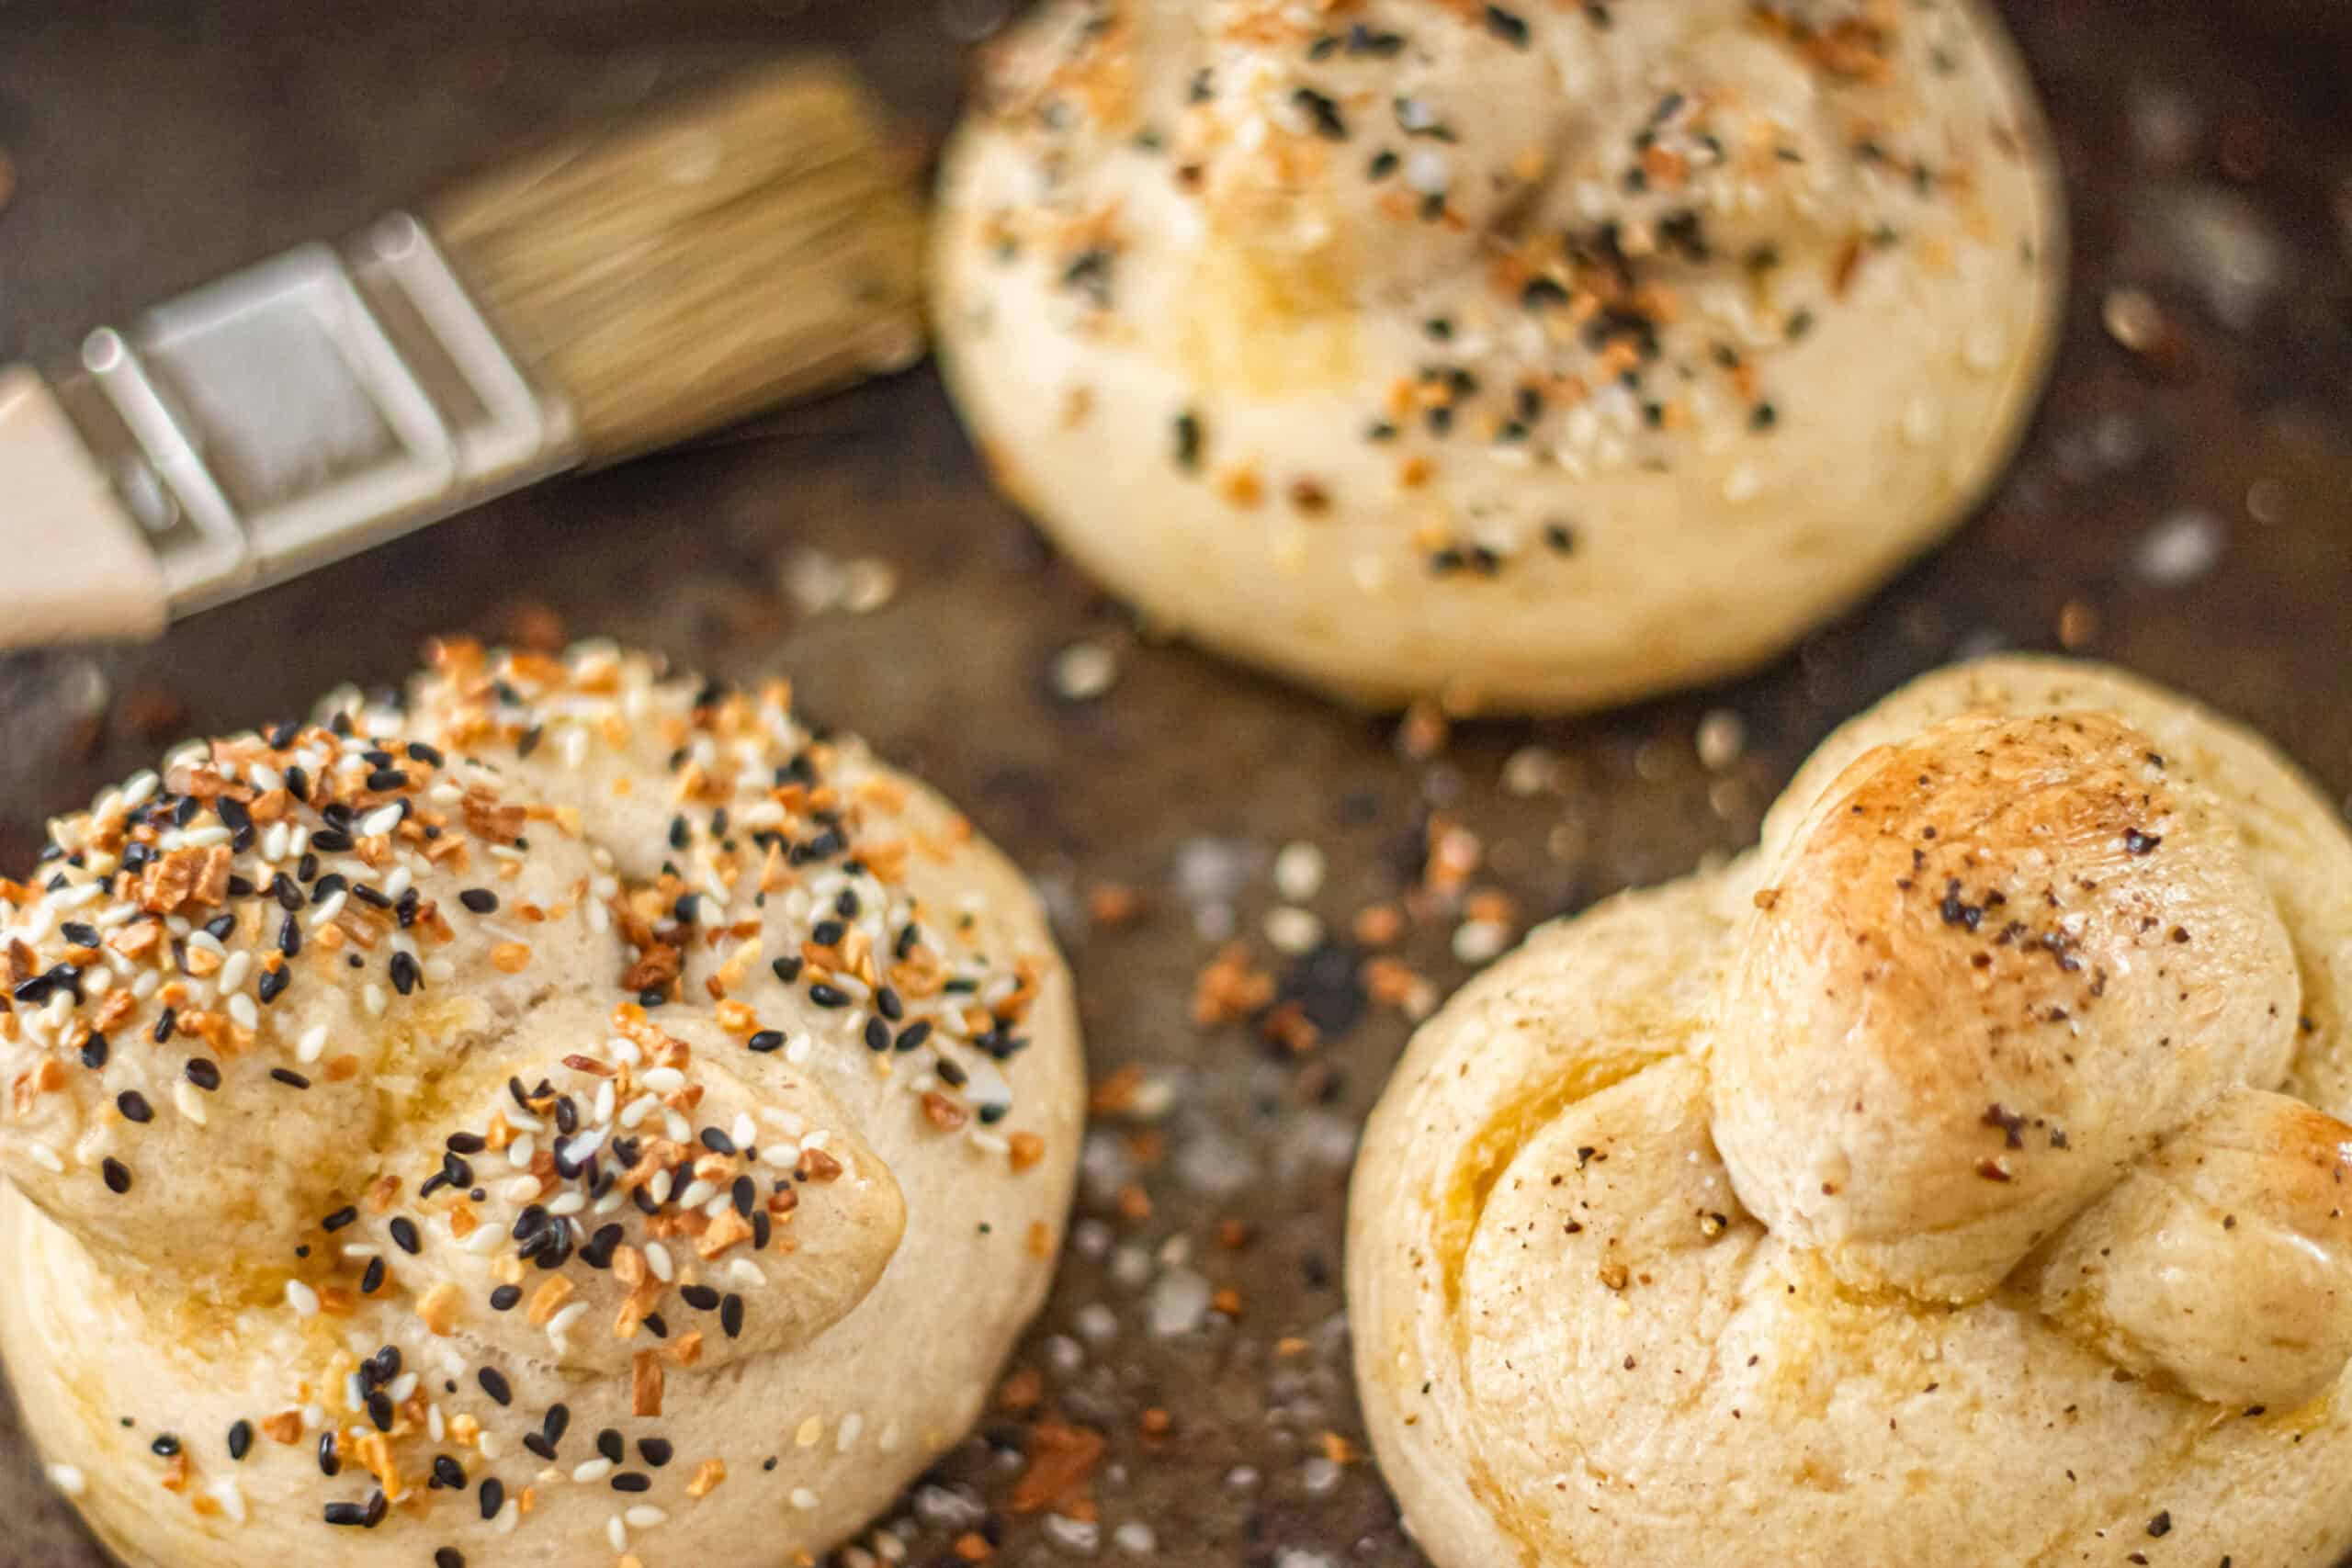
column 608, row 1444
column 540, row 1446
column 557, row 1422
column 290, row 1077
column 165, row 1023
column 826, row 996
column 786, row 969
column 372, row 1280
column 204, row 1073
column 878, row 1035
column 241, row 1440
column 657, row 1451
column 730, row 1317
column 448, row 1557
column 494, row 1383
column 702, row 1298
column 380, row 1410
column 1323, row 112
column 164, row 1447
column 273, row 983
column 765, row 1041
column 339, row 1219
column 506, row 1298
column 404, row 1235
column 93, row 1052
column 405, row 977
column 632, row 1481
column 330, row 1461
column 448, row 1473
column 480, row 900
column 346, row 1515
column 494, row 1494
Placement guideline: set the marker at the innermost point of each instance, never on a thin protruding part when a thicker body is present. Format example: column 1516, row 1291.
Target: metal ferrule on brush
column 306, row 409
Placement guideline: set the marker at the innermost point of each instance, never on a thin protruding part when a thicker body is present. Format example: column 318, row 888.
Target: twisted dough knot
column 1524, row 356
column 2016, row 986
column 479, row 1069
column 1957, row 1178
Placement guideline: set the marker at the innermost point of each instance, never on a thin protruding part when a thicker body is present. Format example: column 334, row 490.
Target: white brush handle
column 80, row 568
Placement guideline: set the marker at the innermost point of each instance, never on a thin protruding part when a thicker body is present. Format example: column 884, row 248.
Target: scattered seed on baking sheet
column 1084, row 670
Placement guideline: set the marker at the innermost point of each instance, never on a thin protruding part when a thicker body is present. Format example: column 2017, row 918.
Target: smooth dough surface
column 584, row 1116
column 1956, row 1178
column 1527, row 358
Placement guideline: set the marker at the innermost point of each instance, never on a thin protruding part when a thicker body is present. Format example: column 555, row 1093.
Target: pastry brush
column 612, row 295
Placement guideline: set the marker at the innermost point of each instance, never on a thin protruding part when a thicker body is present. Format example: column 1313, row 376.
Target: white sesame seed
column 381, row 820
column 637, row 1109
column 846, row 1435
column 663, row 1080
column 659, row 1188
column 593, row 1471
column 323, row 915
column 657, row 1258
column 511, row 1515
column 231, row 977
column 645, row 1515
column 301, row 1298
column 522, row 1190
column 745, row 1132
column 1292, row 929
column 567, row 1204
column 522, row 1151
column 803, row 1499
column 46, row 1157
column 1084, row 670
column 1476, row 942
column 141, row 789
column 402, row 1387
column 617, row 1532
column 696, row 1194
column 190, row 1104
column 243, row 1011
column 1298, row 872
column 68, row 1479
column 397, row 884
column 812, row 1432
column 312, row 1044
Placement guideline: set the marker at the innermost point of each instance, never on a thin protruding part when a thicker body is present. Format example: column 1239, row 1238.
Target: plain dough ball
column 1604, row 1311
column 587, row 1112
column 1527, row 358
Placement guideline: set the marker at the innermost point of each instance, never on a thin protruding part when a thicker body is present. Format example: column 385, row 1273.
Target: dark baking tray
column 2208, row 150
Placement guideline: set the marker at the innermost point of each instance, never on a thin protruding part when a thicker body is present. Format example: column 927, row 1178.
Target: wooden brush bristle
column 672, row 276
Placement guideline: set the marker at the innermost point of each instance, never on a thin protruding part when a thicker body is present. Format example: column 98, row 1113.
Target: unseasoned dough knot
column 1960, row 1176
